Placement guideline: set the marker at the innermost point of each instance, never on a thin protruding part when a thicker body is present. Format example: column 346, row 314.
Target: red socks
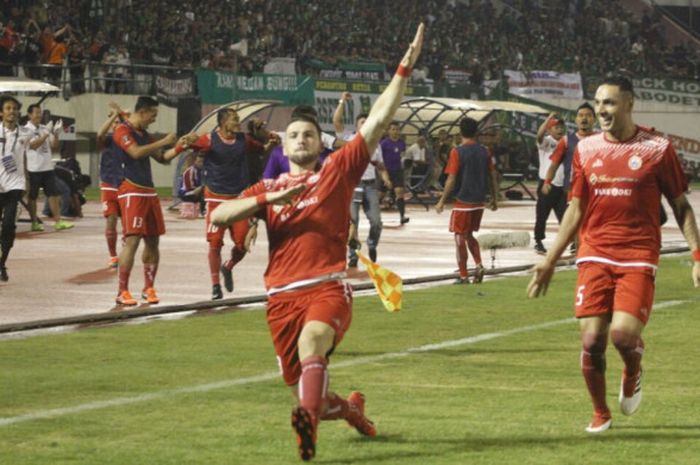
column 111, row 236
column 313, row 384
column 474, row 249
column 149, row 274
column 631, row 349
column 214, row 264
column 237, row 254
column 461, row 245
column 123, row 279
column 593, row 369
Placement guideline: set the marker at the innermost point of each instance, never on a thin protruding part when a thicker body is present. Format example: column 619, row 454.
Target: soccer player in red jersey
column 619, row 176
column 230, row 157
column 306, row 212
column 111, row 176
column 472, row 164
column 138, row 201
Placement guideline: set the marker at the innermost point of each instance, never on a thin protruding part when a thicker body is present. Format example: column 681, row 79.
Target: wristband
column 178, row 148
column 261, row 199
column 403, row 71
column 548, row 181
column 341, row 101
column 696, row 255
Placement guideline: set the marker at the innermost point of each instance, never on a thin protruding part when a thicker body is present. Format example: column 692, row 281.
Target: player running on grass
column 618, row 178
column 306, row 212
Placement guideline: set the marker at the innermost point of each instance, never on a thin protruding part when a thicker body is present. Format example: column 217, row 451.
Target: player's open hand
column 541, row 276
column 286, row 196
column 696, row 274
column 411, row 57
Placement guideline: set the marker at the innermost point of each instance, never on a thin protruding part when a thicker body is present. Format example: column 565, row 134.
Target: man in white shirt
column 415, row 154
column 13, row 144
column 548, row 135
column 40, row 168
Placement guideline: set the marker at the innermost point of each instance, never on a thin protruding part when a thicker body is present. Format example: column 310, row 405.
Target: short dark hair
column 145, row 102
column 360, row 116
column 468, row 127
column 222, row 114
column 307, row 110
column 394, row 123
column 8, row 98
column 585, row 106
column 622, row 82
column 31, row 108
column 307, row 119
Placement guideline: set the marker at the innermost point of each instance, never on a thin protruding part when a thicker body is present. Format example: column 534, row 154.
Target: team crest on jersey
column 593, row 179
column 598, row 163
column 314, row 179
column 635, row 162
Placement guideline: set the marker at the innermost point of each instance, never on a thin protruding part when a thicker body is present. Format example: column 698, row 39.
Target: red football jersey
column 308, row 239
column 620, row 185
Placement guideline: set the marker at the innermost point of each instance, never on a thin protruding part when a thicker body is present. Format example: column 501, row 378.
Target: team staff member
column 40, row 168
column 14, row 141
column 227, row 172
column 473, row 165
column 618, row 179
column 549, row 134
column 393, row 149
column 138, row 201
column 111, row 176
column 306, row 212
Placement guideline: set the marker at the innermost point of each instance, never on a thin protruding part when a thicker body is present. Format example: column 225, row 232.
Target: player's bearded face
column 613, row 108
column 302, row 144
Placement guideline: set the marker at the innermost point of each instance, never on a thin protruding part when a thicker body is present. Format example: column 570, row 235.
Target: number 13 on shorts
column 579, row 295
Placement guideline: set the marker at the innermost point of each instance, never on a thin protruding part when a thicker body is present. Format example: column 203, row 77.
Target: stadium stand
column 480, row 37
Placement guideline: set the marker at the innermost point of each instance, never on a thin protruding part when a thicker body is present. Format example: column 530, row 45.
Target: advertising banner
column 219, row 87
column 545, row 83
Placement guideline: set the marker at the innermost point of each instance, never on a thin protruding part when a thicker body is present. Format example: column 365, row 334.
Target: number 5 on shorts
column 579, row 295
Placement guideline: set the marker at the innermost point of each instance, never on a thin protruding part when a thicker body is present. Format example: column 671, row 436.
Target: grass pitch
column 496, row 381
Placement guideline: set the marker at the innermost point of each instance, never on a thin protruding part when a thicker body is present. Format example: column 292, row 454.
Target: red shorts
column 110, row 202
column 141, row 212
column 287, row 312
column 465, row 219
column 215, row 234
column 602, row 289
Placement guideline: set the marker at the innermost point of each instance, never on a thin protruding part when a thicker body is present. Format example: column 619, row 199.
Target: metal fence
column 79, row 78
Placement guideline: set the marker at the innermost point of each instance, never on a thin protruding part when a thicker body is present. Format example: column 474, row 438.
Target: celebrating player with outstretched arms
column 307, row 217
column 618, row 178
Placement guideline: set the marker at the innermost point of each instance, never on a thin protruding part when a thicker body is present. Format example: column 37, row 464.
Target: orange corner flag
column 388, row 284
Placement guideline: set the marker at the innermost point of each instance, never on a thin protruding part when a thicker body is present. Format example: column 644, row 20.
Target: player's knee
column 624, row 341
column 594, row 343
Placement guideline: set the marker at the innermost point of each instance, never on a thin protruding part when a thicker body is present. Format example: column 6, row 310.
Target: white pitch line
column 58, row 412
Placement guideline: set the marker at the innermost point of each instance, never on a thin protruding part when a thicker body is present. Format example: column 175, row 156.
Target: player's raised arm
column 384, row 108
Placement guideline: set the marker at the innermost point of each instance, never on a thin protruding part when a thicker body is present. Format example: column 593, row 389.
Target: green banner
column 366, row 87
column 220, row 87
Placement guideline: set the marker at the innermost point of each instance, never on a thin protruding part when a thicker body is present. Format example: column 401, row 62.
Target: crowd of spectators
column 592, row 37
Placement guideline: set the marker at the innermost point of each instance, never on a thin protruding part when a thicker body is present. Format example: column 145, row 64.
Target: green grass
column 93, row 192
column 516, row 399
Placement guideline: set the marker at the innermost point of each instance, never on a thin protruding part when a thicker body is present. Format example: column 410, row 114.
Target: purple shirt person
column 393, row 149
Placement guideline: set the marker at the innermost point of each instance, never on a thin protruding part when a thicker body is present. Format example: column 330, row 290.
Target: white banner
column 545, row 83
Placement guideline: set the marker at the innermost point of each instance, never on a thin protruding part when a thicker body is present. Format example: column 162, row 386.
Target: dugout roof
column 245, row 109
column 430, row 115
column 14, row 85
